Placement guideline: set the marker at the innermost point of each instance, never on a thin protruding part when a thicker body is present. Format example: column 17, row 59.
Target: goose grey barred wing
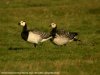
column 71, row 35
column 42, row 34
column 45, row 35
column 63, row 33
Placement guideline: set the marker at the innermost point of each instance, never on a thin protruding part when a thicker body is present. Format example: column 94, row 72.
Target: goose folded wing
column 42, row 34
column 71, row 35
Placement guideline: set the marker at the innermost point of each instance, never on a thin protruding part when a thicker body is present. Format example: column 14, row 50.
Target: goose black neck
column 53, row 32
column 25, row 28
column 25, row 33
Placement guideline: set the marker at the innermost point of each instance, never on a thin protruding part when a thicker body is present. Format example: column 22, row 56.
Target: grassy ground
column 82, row 16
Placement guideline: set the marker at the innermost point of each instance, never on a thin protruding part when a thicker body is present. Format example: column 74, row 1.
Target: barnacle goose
column 33, row 36
column 61, row 37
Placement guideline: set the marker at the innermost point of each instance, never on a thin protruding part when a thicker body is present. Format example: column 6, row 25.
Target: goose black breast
column 24, row 35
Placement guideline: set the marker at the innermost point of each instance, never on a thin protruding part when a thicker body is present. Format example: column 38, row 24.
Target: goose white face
column 53, row 25
column 22, row 23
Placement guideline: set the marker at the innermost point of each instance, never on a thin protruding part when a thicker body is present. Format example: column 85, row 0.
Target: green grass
column 82, row 16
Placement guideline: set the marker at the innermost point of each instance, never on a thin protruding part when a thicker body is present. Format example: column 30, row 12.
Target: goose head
column 22, row 23
column 53, row 25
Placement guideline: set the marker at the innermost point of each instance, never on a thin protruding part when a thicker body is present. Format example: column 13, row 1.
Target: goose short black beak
column 18, row 23
column 49, row 25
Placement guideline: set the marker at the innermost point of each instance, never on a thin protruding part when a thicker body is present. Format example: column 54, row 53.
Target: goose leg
column 35, row 44
column 75, row 39
column 65, row 44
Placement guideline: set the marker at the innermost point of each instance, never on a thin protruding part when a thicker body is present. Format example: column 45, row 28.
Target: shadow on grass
column 94, row 11
column 18, row 48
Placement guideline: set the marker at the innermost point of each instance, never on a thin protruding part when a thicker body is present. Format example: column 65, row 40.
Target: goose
column 61, row 37
column 33, row 36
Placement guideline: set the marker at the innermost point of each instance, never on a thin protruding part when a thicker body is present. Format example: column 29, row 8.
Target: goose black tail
column 72, row 35
column 75, row 33
column 75, row 39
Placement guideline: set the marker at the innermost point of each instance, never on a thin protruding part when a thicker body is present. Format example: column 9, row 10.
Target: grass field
column 82, row 16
